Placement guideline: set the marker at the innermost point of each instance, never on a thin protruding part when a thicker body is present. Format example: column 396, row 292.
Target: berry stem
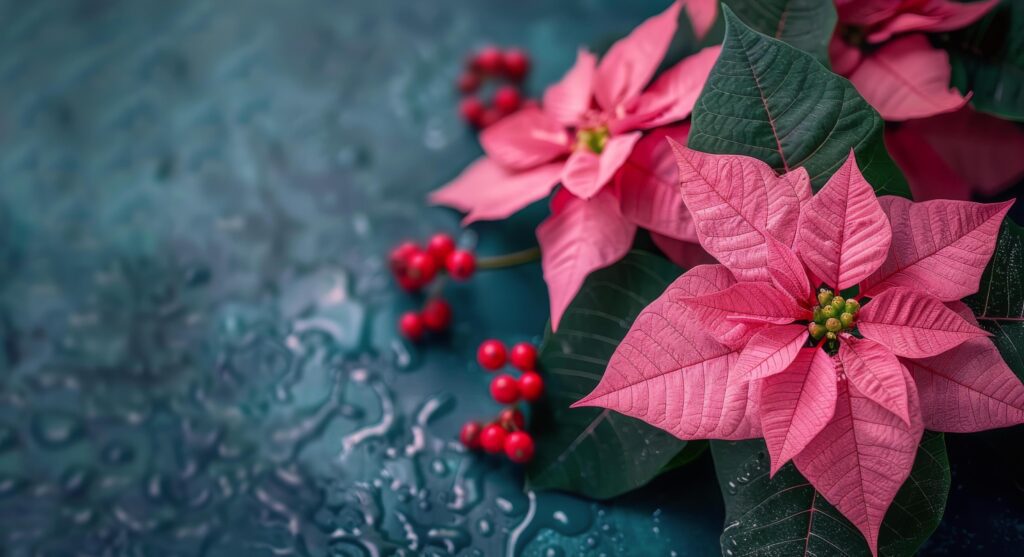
column 437, row 287
column 522, row 257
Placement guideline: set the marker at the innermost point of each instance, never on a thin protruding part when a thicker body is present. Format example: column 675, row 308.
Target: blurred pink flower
column 957, row 154
column 586, row 131
column 881, row 46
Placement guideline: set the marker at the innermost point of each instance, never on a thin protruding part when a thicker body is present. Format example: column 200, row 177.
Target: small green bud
column 818, row 317
column 824, row 297
column 834, row 325
column 846, row 319
column 593, row 139
column 830, row 335
column 817, row 330
column 852, row 306
column 839, row 303
column 828, row 311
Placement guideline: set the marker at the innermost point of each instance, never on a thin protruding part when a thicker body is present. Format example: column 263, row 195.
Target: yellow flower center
column 853, row 35
column 593, row 139
column 832, row 315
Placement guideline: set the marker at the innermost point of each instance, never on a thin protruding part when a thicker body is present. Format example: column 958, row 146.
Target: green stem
column 437, row 288
column 509, row 259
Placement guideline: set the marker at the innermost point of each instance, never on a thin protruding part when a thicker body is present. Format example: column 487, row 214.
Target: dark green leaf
column 593, row 451
column 805, row 24
column 999, row 303
column 692, row 451
column 768, row 100
column 988, row 60
column 785, row 515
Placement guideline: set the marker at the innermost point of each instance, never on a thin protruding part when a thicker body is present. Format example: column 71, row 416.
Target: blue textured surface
column 198, row 328
column 198, row 355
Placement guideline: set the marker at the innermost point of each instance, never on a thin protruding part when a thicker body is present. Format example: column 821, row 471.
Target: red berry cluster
column 506, row 433
column 510, row 66
column 415, row 267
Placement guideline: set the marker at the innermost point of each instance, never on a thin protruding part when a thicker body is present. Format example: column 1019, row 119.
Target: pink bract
column 881, row 19
column 882, row 47
column 589, row 130
column 952, row 155
column 732, row 351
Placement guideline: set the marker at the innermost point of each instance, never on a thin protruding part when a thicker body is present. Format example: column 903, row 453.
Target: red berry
column 468, row 83
column 492, row 438
column 524, row 356
column 469, row 436
column 491, row 115
column 507, row 99
column 491, row 354
column 488, row 60
column 461, row 264
column 437, row 315
column 516, row 64
column 511, row 419
column 530, row 386
column 472, row 111
column 408, row 284
column 399, row 257
column 439, row 247
column 422, row 268
column 519, row 447
column 504, row 389
column 411, row 326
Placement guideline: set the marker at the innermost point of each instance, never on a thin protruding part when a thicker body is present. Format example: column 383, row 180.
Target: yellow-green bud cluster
column 832, row 315
column 593, row 139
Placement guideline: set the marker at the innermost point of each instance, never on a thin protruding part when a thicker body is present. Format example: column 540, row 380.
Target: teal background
column 197, row 348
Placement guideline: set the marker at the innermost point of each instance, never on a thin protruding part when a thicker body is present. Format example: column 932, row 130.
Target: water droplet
column 9, row 485
column 117, row 454
column 55, row 430
column 439, row 467
column 75, row 481
column 8, row 438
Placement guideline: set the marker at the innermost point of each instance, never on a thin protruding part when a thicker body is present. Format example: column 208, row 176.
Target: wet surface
column 198, row 348
column 198, row 353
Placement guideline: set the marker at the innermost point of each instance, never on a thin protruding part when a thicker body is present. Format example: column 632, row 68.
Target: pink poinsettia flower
column 880, row 45
column 586, row 131
column 764, row 345
column 957, row 155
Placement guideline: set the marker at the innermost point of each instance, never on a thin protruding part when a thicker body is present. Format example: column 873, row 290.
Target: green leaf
column 988, row 61
column 768, row 100
column 999, row 303
column 805, row 24
column 785, row 515
column 692, row 451
column 592, row 451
